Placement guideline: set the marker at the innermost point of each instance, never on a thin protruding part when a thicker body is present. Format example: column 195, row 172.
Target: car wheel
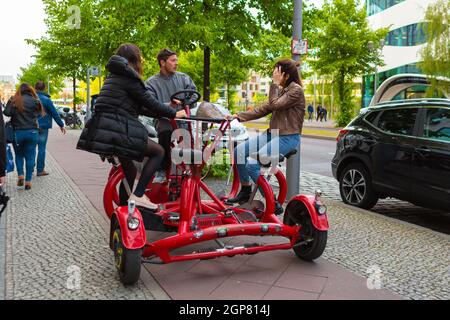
column 355, row 186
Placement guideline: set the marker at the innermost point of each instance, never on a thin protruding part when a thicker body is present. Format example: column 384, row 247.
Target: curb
column 318, row 137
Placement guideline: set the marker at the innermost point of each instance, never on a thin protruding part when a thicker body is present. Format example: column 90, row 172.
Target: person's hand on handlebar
column 175, row 103
column 181, row 114
column 230, row 117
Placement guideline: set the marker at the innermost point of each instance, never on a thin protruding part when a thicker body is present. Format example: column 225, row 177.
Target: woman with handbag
column 24, row 109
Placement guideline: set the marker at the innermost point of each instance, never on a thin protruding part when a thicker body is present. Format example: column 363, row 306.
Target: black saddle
column 266, row 161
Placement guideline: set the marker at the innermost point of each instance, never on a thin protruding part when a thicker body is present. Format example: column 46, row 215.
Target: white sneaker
column 160, row 177
column 143, row 202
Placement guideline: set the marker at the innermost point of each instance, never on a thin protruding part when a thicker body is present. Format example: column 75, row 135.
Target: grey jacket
column 287, row 107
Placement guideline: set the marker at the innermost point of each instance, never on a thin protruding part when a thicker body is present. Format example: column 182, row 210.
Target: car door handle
column 423, row 150
column 370, row 140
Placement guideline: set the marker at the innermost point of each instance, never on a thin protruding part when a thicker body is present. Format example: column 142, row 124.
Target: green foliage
column 241, row 34
column 436, row 53
column 37, row 71
column 343, row 49
column 220, row 164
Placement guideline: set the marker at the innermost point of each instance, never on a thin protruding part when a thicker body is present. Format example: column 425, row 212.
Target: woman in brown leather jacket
column 287, row 106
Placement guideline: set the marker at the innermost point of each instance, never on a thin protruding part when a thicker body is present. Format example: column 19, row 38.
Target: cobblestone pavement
column 410, row 260
column 2, row 255
column 54, row 235
column 432, row 219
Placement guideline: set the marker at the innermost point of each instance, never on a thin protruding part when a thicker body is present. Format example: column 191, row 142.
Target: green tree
column 73, row 31
column 436, row 53
column 343, row 50
column 37, row 71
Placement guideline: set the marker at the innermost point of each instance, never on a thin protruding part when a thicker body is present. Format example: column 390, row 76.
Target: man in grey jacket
column 162, row 86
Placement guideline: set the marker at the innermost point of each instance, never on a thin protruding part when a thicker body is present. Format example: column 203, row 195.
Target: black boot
column 278, row 208
column 242, row 197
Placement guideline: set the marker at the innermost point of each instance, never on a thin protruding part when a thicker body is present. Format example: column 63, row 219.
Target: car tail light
column 342, row 134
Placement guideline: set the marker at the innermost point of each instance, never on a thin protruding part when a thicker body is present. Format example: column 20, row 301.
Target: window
column 375, row 6
column 437, row 124
column 372, row 117
column 411, row 35
column 400, row 121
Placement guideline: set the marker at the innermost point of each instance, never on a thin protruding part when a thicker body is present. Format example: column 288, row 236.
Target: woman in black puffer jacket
column 115, row 130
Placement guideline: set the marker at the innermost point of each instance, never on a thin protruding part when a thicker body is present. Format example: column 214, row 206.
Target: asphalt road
column 316, row 156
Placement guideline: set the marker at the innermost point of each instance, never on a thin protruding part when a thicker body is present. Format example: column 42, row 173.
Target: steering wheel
column 187, row 97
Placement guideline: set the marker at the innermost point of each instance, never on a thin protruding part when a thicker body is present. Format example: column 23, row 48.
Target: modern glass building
column 405, row 20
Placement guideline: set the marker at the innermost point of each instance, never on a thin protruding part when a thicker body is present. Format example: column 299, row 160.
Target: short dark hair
column 165, row 54
column 40, row 85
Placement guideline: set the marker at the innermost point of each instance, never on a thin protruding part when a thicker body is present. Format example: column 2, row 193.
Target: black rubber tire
column 128, row 262
column 366, row 199
column 297, row 213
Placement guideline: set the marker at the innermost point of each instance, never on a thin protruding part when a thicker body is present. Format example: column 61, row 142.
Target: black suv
column 398, row 149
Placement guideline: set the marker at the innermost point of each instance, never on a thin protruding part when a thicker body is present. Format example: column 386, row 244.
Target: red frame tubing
column 320, row 222
column 162, row 247
column 269, row 214
column 283, row 186
column 131, row 239
column 188, row 197
column 110, row 193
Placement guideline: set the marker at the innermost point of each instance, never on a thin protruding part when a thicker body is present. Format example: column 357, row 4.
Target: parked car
column 398, row 149
column 239, row 132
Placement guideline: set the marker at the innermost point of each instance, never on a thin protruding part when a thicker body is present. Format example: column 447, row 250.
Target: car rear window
column 399, row 121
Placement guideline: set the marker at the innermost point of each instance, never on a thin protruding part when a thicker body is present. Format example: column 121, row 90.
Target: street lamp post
column 293, row 164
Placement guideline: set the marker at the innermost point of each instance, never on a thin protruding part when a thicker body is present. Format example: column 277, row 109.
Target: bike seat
column 266, row 161
column 192, row 155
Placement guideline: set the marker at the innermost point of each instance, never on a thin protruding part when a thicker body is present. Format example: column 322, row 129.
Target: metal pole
column 293, row 164
column 88, row 98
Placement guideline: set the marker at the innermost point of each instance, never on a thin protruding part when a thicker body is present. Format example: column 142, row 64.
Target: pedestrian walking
column 115, row 129
column 24, row 109
column 310, row 112
column 319, row 112
column 162, row 86
column 45, row 124
column 324, row 113
column 2, row 150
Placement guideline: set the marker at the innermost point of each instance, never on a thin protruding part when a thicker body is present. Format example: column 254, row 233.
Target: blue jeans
column 42, row 146
column 264, row 144
column 25, row 149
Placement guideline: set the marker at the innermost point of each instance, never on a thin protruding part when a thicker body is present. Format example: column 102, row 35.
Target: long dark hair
column 133, row 54
column 290, row 67
column 25, row 88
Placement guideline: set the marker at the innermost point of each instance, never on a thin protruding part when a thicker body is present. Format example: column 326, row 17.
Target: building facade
column 403, row 43
column 7, row 88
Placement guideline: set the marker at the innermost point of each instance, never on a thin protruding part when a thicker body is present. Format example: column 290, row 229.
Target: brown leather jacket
column 287, row 106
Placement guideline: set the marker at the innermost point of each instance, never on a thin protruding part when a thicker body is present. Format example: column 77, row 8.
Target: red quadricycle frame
column 194, row 220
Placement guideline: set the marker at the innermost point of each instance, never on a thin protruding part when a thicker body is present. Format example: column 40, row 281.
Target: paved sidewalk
column 273, row 275
column 57, row 245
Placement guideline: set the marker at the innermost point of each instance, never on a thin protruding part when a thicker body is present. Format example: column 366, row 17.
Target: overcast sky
column 24, row 19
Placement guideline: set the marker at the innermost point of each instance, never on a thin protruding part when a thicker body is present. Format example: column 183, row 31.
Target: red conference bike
column 190, row 220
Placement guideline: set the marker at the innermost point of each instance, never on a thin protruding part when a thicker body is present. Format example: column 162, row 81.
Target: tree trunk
column 206, row 74
column 74, row 94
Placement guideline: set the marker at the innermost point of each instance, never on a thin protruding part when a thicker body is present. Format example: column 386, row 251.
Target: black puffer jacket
column 115, row 130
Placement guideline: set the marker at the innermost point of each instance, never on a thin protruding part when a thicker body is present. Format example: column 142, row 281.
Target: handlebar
column 213, row 120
